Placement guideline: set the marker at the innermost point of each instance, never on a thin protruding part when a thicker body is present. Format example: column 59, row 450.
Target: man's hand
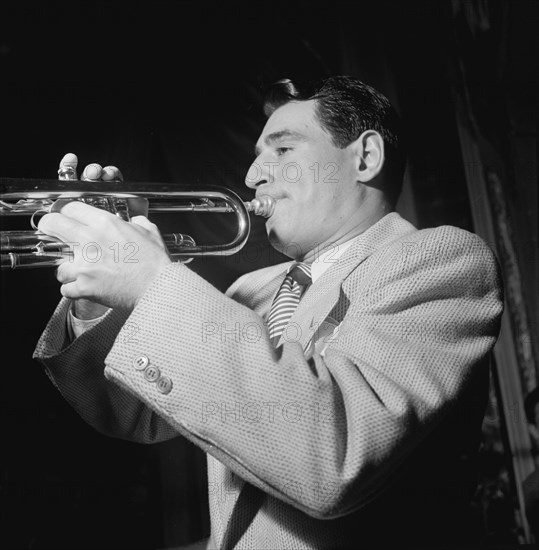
column 113, row 261
column 94, row 172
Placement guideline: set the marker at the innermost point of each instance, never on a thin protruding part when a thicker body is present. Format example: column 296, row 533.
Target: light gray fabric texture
column 382, row 351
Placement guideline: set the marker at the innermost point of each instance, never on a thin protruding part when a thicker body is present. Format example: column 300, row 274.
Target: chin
column 286, row 246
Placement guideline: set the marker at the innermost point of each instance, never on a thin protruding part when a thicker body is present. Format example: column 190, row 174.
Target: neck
column 355, row 225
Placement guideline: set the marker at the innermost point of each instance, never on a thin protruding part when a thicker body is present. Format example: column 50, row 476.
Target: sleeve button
column 140, row 363
column 164, row 384
column 151, row 373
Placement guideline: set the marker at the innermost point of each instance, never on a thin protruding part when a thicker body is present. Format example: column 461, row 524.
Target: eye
column 282, row 150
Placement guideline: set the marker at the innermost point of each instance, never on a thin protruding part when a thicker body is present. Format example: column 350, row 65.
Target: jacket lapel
column 323, row 295
column 258, row 290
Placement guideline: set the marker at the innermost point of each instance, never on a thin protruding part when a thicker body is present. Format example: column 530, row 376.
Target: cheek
column 293, row 173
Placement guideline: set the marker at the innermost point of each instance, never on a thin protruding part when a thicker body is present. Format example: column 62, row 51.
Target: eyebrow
column 276, row 136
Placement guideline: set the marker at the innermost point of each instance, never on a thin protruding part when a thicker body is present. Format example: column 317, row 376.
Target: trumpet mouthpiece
column 262, row 206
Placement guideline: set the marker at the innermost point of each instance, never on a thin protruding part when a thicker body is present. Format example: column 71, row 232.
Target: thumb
column 147, row 225
column 143, row 221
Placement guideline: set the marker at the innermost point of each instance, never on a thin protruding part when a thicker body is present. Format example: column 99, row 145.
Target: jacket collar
column 323, row 295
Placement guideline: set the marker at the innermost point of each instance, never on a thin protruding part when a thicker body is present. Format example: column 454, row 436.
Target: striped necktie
column 287, row 300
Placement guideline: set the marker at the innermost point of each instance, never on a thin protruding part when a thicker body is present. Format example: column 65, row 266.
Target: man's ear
column 370, row 155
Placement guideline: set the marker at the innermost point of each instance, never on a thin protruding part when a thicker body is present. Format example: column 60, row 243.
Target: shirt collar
column 326, row 257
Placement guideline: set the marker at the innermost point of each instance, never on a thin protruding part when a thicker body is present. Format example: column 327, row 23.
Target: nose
column 256, row 175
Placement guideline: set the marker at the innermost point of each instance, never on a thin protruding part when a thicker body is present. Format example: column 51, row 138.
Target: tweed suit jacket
column 358, row 431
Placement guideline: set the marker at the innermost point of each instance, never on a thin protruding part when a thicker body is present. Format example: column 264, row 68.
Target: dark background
column 171, row 92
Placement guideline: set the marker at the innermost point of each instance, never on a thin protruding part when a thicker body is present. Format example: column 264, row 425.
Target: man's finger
column 92, row 172
column 59, row 226
column 72, row 290
column 138, row 207
column 63, row 273
column 58, row 204
column 144, row 222
column 111, row 173
column 85, row 214
column 68, row 167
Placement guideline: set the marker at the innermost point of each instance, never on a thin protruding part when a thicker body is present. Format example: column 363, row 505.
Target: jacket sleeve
column 320, row 433
column 76, row 369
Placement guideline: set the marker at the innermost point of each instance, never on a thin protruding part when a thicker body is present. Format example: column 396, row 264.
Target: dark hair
column 346, row 107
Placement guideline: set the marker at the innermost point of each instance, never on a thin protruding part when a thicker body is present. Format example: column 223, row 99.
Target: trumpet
column 31, row 248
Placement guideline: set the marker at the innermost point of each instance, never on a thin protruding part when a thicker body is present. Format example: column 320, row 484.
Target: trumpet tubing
column 30, row 248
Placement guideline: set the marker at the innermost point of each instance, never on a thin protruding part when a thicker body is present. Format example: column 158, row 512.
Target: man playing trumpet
column 339, row 396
